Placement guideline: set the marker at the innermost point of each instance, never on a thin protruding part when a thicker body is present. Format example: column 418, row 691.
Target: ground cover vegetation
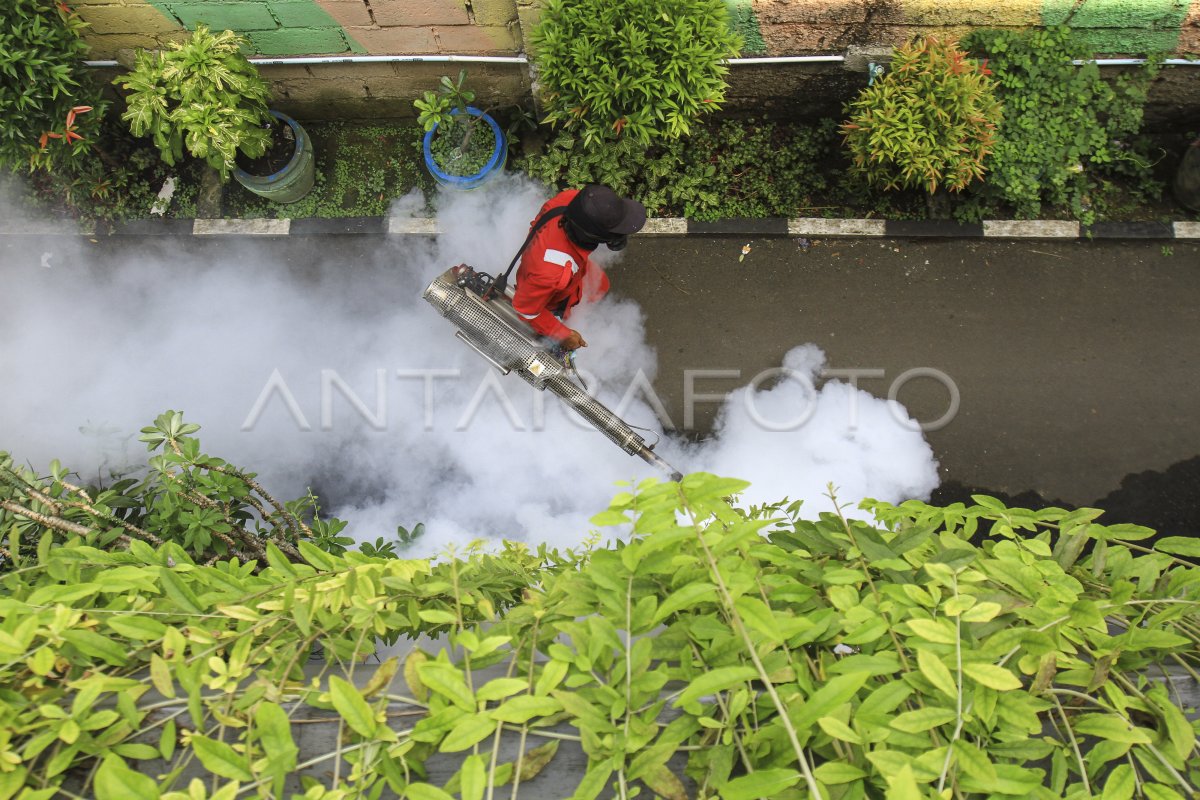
column 969, row 651
column 1068, row 135
column 1069, row 144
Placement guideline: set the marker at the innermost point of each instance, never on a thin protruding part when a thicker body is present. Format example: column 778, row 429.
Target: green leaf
column 937, row 631
column 716, row 681
column 839, row 730
column 687, row 597
column 424, row 791
column 499, row 688
column 521, row 709
column 937, row 672
column 437, row 616
column 923, row 719
column 903, row 785
column 352, row 707
column 829, row 697
column 275, row 734
column 767, row 783
column 754, row 612
column 835, row 772
column 473, row 778
column 137, row 627
column 1156, row 791
column 447, row 681
column 467, row 731
column 992, row 676
column 1112, row 728
column 220, row 759
column 1120, row 784
column 981, row 612
column 1187, row 546
column 593, row 781
column 115, row 781
column 177, row 590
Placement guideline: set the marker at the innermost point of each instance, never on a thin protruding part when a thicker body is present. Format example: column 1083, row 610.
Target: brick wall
column 311, row 27
column 501, row 27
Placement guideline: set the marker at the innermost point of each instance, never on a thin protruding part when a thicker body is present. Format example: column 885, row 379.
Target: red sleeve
column 531, row 300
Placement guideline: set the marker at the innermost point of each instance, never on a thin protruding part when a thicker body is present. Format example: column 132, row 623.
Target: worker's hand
column 573, row 341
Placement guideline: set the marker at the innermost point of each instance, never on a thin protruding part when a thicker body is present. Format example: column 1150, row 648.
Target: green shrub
column 969, row 652
column 1064, row 125
column 202, row 96
column 928, row 123
column 42, row 82
column 645, row 69
column 734, row 168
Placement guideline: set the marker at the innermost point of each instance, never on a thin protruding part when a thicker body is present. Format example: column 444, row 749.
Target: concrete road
column 1076, row 362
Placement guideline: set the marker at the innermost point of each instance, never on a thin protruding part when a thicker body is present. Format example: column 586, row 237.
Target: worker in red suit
column 556, row 273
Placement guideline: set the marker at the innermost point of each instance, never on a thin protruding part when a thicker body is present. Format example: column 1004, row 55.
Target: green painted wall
column 274, row 27
column 1121, row 26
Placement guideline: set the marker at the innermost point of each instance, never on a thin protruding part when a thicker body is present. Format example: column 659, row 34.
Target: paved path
column 1076, row 362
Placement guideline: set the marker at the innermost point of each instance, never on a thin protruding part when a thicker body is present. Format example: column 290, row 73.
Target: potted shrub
column 463, row 146
column 205, row 97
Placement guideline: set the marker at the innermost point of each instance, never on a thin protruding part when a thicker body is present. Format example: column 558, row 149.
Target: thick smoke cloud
column 317, row 372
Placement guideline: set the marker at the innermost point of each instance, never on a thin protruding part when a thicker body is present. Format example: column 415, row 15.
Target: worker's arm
column 531, row 300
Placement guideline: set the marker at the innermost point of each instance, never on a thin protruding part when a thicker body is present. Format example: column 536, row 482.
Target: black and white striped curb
column 655, row 226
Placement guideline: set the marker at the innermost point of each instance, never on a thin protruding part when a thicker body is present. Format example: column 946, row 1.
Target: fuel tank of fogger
column 494, row 330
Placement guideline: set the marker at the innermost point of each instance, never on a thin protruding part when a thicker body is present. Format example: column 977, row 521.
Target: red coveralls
column 554, row 275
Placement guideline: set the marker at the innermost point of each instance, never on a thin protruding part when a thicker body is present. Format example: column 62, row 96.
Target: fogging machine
column 482, row 311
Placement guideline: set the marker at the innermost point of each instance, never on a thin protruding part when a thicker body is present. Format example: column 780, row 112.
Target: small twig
column 42, row 519
column 668, row 280
column 1044, row 253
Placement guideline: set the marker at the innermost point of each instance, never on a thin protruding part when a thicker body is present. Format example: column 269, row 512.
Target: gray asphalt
column 1076, row 362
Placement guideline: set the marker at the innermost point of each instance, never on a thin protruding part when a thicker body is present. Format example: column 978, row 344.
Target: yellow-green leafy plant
column 639, row 68
column 971, row 652
column 202, row 96
column 928, row 123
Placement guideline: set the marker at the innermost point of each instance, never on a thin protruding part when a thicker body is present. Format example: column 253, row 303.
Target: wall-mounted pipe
column 303, row 60
column 437, row 59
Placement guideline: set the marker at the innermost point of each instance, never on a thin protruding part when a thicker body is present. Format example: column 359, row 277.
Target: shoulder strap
column 501, row 283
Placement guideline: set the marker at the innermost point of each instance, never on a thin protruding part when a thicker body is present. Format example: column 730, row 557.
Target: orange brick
column 824, row 12
column 477, row 40
column 1189, row 34
column 394, row 41
column 419, row 12
column 347, row 12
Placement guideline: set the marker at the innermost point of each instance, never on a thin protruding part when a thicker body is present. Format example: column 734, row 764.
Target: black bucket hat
column 602, row 212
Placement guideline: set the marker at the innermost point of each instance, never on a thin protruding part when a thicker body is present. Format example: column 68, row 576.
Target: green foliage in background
column 202, row 96
column 645, row 69
column 928, row 123
column 966, row 652
column 733, row 168
column 1065, row 129
column 42, row 79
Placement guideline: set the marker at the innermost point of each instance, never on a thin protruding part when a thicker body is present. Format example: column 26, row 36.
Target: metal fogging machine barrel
column 488, row 324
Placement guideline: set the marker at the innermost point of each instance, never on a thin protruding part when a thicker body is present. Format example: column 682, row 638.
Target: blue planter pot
column 495, row 163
